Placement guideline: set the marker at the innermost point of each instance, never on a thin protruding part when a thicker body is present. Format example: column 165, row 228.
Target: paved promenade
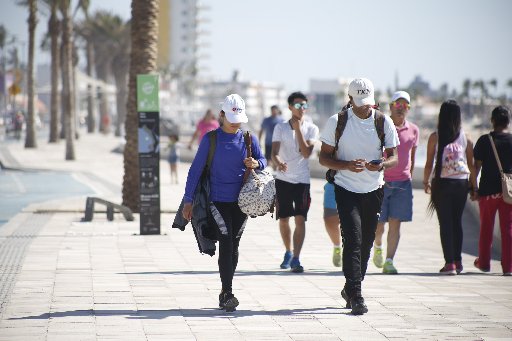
column 68, row 280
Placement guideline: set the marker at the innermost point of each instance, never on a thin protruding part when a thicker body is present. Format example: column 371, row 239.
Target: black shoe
column 222, row 300
column 346, row 298
column 228, row 302
column 358, row 305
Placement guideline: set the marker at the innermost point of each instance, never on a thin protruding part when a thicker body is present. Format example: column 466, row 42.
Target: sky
column 291, row 41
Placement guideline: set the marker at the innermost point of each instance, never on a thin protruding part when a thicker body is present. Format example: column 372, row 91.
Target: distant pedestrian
column 174, row 156
column 292, row 145
column 452, row 152
column 226, row 176
column 332, row 223
column 19, row 120
column 397, row 202
column 490, row 198
column 358, row 181
column 208, row 123
column 267, row 128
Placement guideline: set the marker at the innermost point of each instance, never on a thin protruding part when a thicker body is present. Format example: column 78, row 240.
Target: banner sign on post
column 149, row 153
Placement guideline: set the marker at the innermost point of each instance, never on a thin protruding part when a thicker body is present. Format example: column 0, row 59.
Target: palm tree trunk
column 30, row 137
column 90, row 90
column 121, row 78
column 53, row 28
column 67, row 91
column 144, row 33
column 62, row 134
column 74, row 95
column 102, row 70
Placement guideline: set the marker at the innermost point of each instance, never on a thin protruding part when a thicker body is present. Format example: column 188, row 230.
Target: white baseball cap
column 401, row 94
column 234, row 108
column 361, row 91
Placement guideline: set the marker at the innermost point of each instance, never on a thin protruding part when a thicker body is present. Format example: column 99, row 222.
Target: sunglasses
column 401, row 105
column 303, row 105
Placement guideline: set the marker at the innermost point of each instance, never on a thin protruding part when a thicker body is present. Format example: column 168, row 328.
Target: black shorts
column 292, row 199
column 268, row 151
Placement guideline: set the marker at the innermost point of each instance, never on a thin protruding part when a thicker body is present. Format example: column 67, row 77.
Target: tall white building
column 181, row 37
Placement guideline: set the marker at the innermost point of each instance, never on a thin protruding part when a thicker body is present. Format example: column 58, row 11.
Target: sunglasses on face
column 401, row 105
column 303, row 105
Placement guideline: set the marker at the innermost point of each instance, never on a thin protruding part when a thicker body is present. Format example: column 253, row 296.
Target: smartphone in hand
column 376, row 162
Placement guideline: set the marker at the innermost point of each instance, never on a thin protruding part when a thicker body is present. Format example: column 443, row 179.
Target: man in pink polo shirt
column 397, row 202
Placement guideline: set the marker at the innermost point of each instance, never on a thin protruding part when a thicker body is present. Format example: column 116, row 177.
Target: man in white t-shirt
column 358, row 182
column 292, row 145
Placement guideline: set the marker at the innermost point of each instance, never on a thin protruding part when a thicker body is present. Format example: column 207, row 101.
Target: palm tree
column 144, row 35
column 481, row 85
column 509, row 83
column 54, row 32
column 466, row 86
column 85, row 32
column 465, row 96
column 67, row 78
column 30, row 136
column 3, row 36
column 494, row 83
column 120, row 69
column 104, row 35
column 62, row 133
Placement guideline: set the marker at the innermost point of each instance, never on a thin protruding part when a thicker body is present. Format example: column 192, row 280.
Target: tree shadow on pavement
column 201, row 312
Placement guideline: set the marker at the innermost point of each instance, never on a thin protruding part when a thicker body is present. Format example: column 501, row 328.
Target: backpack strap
column 379, row 126
column 212, row 135
column 340, row 127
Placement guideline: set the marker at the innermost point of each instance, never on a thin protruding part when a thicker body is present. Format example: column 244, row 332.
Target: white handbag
column 258, row 192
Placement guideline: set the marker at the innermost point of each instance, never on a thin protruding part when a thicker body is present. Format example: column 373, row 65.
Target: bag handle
column 496, row 154
column 248, row 147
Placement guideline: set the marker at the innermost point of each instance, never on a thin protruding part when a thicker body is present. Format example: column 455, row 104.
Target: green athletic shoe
column 389, row 268
column 377, row 257
column 336, row 257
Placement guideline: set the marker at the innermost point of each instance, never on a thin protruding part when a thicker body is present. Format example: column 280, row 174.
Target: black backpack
column 340, row 127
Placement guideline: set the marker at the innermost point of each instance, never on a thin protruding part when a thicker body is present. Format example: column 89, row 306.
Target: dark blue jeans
column 359, row 213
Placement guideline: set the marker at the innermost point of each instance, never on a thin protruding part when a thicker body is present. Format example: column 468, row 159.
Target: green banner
column 147, row 93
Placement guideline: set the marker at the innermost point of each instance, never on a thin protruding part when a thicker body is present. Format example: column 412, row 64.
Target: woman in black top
column 489, row 192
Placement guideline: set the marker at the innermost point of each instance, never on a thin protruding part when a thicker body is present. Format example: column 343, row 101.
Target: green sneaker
column 336, row 257
column 377, row 257
column 389, row 268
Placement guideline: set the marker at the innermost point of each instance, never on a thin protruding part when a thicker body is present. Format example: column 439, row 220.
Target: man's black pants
column 359, row 213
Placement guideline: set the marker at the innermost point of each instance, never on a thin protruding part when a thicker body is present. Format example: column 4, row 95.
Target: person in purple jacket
column 226, row 175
